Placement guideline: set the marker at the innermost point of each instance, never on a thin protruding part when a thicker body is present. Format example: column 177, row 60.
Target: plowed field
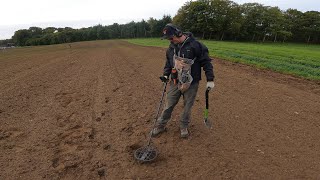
column 80, row 112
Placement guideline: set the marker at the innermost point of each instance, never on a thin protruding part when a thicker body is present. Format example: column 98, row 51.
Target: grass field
column 296, row 59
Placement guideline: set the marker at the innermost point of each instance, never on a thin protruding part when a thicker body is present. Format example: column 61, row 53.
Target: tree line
column 227, row 20
column 51, row 35
column 37, row 36
column 207, row 19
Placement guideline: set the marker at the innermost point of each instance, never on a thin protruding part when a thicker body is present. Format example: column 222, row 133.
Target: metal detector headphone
column 177, row 32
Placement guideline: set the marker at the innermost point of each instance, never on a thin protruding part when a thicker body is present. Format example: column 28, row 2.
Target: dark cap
column 169, row 31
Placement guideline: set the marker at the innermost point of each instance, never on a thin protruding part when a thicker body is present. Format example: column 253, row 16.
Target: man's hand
column 164, row 79
column 210, row 84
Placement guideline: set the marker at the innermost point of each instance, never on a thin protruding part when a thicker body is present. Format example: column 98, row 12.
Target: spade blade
column 207, row 122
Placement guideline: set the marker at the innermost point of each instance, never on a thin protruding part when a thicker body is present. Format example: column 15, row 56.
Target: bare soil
column 80, row 112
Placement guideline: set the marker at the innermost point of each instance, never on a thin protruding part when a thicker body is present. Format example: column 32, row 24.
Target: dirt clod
column 101, row 172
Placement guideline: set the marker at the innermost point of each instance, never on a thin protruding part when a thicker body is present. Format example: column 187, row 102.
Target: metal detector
column 149, row 153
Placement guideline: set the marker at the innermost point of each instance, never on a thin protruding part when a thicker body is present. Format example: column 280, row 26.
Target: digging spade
column 207, row 122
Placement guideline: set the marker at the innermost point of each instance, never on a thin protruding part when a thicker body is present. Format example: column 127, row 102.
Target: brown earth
column 80, row 112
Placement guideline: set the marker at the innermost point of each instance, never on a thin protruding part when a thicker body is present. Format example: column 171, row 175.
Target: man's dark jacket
column 191, row 49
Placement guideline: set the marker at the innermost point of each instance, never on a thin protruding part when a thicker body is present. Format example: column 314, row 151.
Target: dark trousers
column 173, row 97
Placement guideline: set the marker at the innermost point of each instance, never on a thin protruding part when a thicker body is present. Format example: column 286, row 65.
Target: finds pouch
column 183, row 67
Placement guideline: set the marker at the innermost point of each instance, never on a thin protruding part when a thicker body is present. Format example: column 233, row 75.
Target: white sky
column 19, row 14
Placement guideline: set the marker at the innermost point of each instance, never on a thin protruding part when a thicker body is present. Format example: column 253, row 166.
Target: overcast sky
column 19, row 14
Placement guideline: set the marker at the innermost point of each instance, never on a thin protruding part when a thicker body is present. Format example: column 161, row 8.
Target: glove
column 210, row 84
column 164, row 79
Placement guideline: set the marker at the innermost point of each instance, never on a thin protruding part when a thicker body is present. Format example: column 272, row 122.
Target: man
column 185, row 57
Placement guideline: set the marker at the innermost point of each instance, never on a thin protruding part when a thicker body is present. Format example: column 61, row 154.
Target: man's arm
column 205, row 61
column 167, row 67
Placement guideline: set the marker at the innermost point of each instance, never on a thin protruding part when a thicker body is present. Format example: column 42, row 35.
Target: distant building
column 10, row 44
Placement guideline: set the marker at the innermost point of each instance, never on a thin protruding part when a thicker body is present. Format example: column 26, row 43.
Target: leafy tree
column 20, row 37
column 49, row 30
column 35, row 32
column 142, row 28
column 273, row 22
column 236, row 20
column 253, row 20
column 311, row 25
column 293, row 23
column 115, row 31
column 153, row 27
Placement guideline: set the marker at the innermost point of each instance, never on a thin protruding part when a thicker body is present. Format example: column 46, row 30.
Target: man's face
column 174, row 40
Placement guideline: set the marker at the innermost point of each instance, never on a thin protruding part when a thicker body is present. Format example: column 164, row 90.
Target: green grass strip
column 296, row 59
